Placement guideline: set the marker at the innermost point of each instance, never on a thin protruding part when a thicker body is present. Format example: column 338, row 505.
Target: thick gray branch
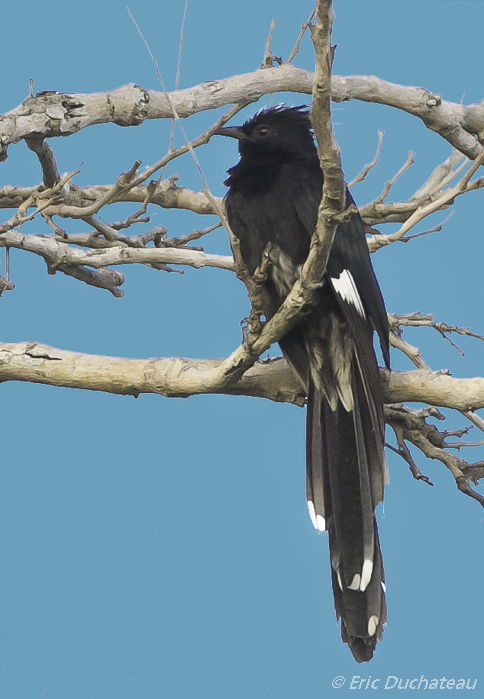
column 433, row 388
column 175, row 376
column 171, row 377
column 50, row 114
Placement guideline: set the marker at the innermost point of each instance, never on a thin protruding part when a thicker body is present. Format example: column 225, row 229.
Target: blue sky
column 168, row 540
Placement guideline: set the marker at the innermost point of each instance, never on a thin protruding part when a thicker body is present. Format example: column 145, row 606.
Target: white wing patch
column 317, row 520
column 366, row 575
column 372, row 625
column 355, row 583
column 345, row 286
column 312, row 514
column 360, row 582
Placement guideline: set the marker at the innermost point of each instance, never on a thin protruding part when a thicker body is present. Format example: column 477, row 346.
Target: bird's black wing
column 350, row 251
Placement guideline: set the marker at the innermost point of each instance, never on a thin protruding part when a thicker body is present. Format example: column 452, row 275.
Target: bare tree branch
column 304, row 28
column 388, row 185
column 334, row 192
column 475, row 419
column 369, row 166
column 410, row 425
column 46, row 158
column 175, row 376
column 434, row 388
column 406, row 455
column 130, row 179
column 269, row 59
column 57, row 253
column 413, row 353
column 435, row 229
column 166, row 195
column 108, row 279
column 51, row 114
column 426, row 320
column 171, row 377
column 446, row 198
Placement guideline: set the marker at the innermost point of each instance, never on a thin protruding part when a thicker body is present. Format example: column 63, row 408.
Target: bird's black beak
column 232, row 131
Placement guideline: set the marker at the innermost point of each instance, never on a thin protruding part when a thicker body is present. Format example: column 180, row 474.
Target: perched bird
column 274, row 193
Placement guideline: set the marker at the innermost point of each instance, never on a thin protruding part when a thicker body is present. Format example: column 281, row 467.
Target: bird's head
column 278, row 129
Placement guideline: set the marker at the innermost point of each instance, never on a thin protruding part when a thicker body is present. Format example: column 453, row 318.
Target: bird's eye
column 263, row 131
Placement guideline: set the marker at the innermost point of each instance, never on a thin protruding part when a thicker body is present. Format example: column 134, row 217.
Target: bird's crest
column 298, row 114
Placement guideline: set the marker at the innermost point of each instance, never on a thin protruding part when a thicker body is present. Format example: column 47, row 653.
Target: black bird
column 274, row 193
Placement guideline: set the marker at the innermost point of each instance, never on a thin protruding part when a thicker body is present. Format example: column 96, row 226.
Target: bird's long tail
column 344, row 456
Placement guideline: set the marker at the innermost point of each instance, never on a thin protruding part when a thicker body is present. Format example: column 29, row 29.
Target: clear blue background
column 161, row 547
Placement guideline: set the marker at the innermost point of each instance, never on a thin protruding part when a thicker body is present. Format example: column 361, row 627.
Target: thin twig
column 436, row 229
column 361, row 176
column 194, row 235
column 180, row 46
column 388, row 185
column 410, row 425
column 419, row 320
column 268, row 59
column 172, row 106
column 438, row 178
column 59, row 232
column 234, row 109
column 177, row 79
column 475, row 419
column 404, row 452
column 304, row 28
column 48, row 197
column 94, row 240
column 459, row 445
